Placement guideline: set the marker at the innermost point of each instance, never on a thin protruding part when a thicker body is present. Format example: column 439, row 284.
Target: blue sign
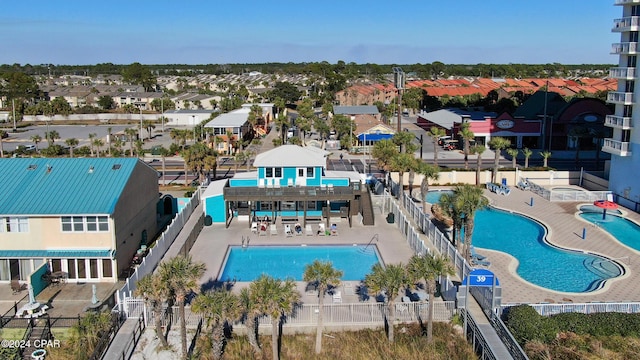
column 480, row 277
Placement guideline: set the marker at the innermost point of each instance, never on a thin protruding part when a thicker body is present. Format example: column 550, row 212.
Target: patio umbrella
column 32, row 297
column 605, row 205
column 94, row 298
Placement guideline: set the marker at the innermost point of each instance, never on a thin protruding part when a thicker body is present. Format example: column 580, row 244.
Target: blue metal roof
column 374, row 137
column 98, row 253
column 63, row 186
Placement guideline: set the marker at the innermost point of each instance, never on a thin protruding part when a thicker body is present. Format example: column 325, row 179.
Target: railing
column 105, row 341
column 585, row 308
column 577, row 195
column 625, row 2
column 624, row 48
column 618, row 121
column 476, row 338
column 620, row 147
column 620, row 97
column 515, row 350
column 625, row 23
column 156, row 253
column 130, row 346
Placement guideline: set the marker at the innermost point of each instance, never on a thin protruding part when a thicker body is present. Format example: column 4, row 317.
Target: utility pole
column 13, row 103
column 398, row 79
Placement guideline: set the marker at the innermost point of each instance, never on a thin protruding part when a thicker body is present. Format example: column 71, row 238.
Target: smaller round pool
column 433, row 196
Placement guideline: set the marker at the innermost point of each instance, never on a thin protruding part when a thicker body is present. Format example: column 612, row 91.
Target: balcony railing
column 626, row 2
column 622, row 73
column 629, row 23
column 621, row 122
column 617, row 97
column 616, row 147
column 624, row 48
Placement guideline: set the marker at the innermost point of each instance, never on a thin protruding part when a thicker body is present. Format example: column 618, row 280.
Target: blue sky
column 85, row 32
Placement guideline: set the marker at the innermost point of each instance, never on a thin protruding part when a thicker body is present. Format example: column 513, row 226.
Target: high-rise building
column 624, row 145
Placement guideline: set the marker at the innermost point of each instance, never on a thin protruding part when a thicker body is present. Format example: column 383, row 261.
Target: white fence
column 354, row 314
column 585, row 308
column 161, row 246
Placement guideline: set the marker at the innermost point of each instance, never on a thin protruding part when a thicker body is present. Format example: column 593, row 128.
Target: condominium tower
column 624, row 145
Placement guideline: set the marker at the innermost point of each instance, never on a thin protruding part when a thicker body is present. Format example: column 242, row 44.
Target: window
column 309, row 172
column 97, row 223
column 300, row 172
column 16, row 224
column 278, row 172
column 268, row 172
column 106, row 268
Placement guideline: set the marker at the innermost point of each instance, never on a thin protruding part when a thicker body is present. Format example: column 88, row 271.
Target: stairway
column 366, row 207
column 40, row 331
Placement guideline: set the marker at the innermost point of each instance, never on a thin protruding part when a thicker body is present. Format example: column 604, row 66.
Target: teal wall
column 214, row 207
column 243, row 183
column 36, row 279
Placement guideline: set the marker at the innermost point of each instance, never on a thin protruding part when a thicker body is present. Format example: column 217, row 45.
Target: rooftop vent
column 32, row 167
column 116, row 167
column 49, row 168
column 91, row 169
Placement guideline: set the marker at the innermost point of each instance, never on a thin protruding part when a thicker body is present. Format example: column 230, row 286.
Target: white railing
column 618, row 121
column 620, row 97
column 156, row 252
column 624, row 48
column 585, row 308
column 625, row 23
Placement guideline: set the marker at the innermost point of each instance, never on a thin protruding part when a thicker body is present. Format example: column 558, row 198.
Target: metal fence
column 585, row 308
column 567, row 194
column 346, row 314
column 161, row 246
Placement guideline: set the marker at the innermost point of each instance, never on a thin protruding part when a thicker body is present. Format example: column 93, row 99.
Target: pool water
column 433, row 196
column 625, row 231
column 247, row 264
column 539, row 263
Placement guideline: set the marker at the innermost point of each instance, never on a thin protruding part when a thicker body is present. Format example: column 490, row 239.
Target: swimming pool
column 539, row 262
column 247, row 264
column 625, row 231
column 433, row 196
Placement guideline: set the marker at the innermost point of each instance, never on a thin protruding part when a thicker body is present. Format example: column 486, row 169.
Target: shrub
column 526, row 324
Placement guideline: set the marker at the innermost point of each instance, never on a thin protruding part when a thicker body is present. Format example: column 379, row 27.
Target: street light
column 398, row 81
column 141, row 138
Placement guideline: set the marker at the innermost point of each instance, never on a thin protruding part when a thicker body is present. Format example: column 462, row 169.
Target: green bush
column 525, row 324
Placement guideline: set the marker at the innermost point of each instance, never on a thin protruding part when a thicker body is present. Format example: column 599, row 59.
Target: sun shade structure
column 605, row 205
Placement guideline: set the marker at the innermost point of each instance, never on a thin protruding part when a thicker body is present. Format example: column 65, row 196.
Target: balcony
column 617, row 97
column 615, row 147
column 630, row 23
column 626, row 2
column 627, row 73
column 619, row 122
column 627, row 48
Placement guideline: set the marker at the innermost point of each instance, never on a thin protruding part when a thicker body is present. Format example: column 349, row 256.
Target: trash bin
column 504, row 181
column 390, row 218
column 208, row 220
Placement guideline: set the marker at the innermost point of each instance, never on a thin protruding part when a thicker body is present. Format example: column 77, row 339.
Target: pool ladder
column 243, row 242
column 375, row 237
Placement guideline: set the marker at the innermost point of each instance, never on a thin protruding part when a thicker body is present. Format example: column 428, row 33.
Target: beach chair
column 475, row 255
column 337, row 296
column 334, row 230
column 297, row 229
column 287, row 230
column 477, row 262
column 308, row 230
column 274, row 229
column 321, row 229
column 16, row 287
column 254, row 227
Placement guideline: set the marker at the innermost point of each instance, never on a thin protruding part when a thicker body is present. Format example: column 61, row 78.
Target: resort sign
column 505, row 124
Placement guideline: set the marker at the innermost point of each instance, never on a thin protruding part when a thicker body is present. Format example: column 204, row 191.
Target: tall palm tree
column 251, row 313
column 164, row 152
column 429, row 172
column 154, row 290
column 323, row 274
column 52, row 136
column 384, row 151
column 182, row 275
column 71, row 143
column 402, row 163
column 36, row 140
column 92, row 138
column 447, row 205
column 435, row 133
column 478, row 150
column 497, row 144
column 513, row 152
column 275, row 298
column 545, row 157
column 429, row 268
column 218, row 308
column 131, row 136
column 230, row 141
column 467, row 135
column 527, row 154
column 98, row 143
column 387, row 281
column 469, row 199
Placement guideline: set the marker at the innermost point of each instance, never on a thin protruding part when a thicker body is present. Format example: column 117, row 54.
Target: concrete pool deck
column 565, row 230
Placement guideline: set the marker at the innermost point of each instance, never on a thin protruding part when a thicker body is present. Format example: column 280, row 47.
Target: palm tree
column 527, row 154
column 497, row 143
column 230, row 141
column 450, row 209
column 182, row 275
column 468, row 199
column 37, row 139
column 153, row 289
column 402, row 163
column 97, row 143
column 513, row 152
column 323, row 274
column 149, row 125
column 435, row 133
column 467, row 135
column 92, row 138
column 429, row 268
column 164, row 152
column 415, row 166
column 52, row 136
column 275, row 298
column 384, row 151
column 251, row 313
column 131, row 135
column 478, row 150
column 71, row 143
column 139, row 144
column 545, row 157
column 387, row 281
column 218, row 308
column 429, row 172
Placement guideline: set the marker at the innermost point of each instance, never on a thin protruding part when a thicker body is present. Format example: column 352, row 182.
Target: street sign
column 480, row 277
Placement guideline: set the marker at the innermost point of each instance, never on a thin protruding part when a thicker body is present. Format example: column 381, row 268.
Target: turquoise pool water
column 625, row 231
column 433, row 197
column 539, row 263
column 247, row 264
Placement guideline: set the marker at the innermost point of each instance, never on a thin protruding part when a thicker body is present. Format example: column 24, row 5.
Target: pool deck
column 565, row 230
column 213, row 242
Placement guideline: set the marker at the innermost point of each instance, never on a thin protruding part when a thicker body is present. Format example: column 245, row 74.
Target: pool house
column 292, row 184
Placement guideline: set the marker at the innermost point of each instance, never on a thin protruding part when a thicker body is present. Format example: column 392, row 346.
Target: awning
column 82, row 253
column 374, row 137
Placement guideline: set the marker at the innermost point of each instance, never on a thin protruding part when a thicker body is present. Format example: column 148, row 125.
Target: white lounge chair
column 337, row 296
column 274, row 229
column 321, row 229
column 254, row 227
column 308, row 230
column 287, row 230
